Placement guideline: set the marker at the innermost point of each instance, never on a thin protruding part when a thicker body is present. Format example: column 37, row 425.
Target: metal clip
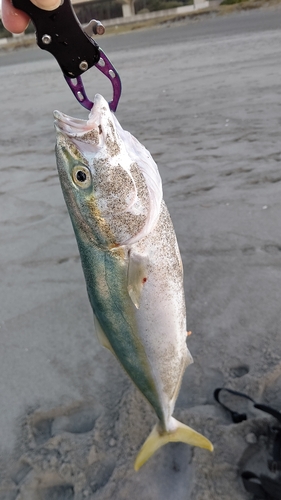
column 59, row 32
column 107, row 68
column 94, row 27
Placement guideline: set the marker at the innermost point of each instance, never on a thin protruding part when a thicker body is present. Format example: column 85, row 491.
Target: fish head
column 110, row 198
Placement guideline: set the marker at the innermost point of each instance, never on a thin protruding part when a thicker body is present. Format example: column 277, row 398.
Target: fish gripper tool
column 59, row 32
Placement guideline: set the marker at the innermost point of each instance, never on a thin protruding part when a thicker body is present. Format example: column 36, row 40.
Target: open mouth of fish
column 76, row 127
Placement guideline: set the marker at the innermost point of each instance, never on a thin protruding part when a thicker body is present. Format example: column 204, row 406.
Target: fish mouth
column 68, row 125
column 76, row 127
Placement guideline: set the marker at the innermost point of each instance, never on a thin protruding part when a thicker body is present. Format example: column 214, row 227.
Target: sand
column 204, row 97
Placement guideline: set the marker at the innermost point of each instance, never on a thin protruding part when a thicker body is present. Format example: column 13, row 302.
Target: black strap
column 252, row 484
column 263, row 487
column 236, row 417
column 270, row 410
column 239, row 417
column 274, row 463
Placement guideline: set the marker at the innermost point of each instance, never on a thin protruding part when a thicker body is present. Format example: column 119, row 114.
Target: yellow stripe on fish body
column 130, row 259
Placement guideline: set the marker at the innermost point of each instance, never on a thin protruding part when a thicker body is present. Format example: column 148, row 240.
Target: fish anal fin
column 137, row 276
column 102, row 338
column 158, row 438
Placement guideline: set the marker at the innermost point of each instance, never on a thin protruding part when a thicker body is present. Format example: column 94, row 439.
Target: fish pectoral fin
column 158, row 438
column 102, row 338
column 137, row 276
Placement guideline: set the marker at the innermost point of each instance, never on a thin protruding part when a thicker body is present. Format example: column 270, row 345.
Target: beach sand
column 205, row 98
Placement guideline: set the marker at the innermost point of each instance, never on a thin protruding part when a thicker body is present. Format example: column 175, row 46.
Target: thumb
column 47, row 4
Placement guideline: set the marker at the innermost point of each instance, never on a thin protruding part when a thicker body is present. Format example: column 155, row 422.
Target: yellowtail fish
column 131, row 261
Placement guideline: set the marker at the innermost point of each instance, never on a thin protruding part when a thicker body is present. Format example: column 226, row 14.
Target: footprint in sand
column 49, row 470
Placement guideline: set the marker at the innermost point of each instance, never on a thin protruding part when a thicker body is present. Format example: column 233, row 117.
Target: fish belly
column 149, row 340
column 161, row 317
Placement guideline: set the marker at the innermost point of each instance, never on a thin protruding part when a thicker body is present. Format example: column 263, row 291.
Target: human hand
column 16, row 20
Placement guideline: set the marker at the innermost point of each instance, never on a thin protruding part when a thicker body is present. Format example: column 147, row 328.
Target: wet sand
column 205, row 99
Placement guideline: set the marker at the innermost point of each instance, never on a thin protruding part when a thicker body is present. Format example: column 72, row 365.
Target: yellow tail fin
column 156, row 439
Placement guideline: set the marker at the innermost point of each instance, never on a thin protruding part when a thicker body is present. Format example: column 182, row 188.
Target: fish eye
column 81, row 176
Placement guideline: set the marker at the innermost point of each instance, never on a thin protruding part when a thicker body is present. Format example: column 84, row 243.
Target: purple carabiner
column 106, row 67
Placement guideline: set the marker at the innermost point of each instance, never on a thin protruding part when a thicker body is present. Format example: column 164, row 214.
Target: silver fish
column 131, row 261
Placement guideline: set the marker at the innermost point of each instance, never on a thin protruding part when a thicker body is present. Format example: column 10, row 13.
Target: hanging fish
column 131, row 261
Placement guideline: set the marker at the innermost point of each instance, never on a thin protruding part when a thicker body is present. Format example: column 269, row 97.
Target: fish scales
column 131, row 261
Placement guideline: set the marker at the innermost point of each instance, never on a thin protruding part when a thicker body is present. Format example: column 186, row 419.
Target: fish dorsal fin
column 137, row 276
column 102, row 338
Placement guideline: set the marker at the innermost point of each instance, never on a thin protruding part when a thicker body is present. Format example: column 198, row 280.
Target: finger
column 13, row 19
column 47, row 4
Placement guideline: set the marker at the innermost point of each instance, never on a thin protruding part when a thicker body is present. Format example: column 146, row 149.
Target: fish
column 131, row 261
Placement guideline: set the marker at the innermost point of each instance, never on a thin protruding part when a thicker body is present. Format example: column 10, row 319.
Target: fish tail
column 158, row 438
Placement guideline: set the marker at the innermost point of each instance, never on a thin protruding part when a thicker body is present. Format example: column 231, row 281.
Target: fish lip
column 74, row 127
column 70, row 126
